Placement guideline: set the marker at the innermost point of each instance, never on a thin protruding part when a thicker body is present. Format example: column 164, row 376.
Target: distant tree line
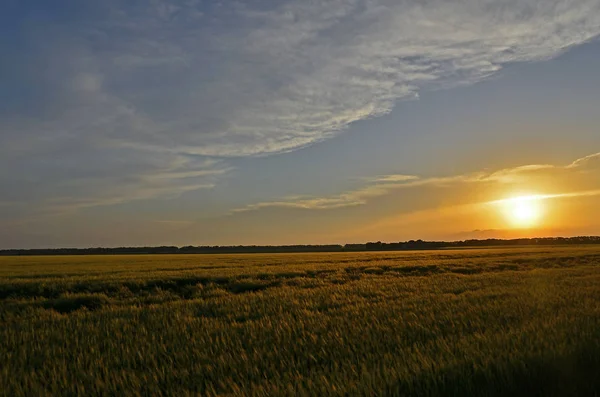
column 492, row 242
column 177, row 250
column 371, row 246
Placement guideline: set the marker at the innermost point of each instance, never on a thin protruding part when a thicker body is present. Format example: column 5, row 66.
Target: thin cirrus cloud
column 168, row 84
column 534, row 197
column 384, row 185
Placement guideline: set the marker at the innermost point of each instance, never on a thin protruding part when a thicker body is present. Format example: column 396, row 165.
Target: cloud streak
column 375, row 188
column 534, row 197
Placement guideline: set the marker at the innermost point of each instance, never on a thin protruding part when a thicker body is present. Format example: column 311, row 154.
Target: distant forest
column 371, row 246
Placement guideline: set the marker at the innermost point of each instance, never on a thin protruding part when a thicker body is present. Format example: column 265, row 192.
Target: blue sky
column 190, row 122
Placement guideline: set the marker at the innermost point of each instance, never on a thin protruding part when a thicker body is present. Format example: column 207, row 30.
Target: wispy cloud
column 394, row 178
column 323, row 65
column 514, row 174
column 585, row 161
column 375, row 188
column 129, row 90
column 59, row 185
column 534, row 197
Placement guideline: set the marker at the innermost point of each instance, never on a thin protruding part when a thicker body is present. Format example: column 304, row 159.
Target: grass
column 485, row 322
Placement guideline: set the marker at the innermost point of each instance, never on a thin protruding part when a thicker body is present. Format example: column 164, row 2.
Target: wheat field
column 482, row 322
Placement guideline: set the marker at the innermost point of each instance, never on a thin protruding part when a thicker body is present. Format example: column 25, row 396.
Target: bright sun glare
column 523, row 211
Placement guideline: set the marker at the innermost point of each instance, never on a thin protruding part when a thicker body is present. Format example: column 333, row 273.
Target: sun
column 523, row 211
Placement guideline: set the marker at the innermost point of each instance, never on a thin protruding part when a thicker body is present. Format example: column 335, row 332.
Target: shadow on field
column 72, row 303
column 572, row 375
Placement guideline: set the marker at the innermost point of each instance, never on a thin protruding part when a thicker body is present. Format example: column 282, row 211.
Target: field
column 485, row 322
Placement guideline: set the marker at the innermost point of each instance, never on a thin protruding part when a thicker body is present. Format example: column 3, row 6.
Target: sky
column 127, row 123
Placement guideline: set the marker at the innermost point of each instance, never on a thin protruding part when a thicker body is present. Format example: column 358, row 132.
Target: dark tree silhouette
column 370, row 246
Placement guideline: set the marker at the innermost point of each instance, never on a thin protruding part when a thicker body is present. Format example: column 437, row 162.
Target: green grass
column 486, row 322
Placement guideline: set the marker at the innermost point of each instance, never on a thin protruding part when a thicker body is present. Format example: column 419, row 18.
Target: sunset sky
column 294, row 122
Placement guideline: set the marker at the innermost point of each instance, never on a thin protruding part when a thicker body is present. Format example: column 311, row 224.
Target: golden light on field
column 523, row 211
